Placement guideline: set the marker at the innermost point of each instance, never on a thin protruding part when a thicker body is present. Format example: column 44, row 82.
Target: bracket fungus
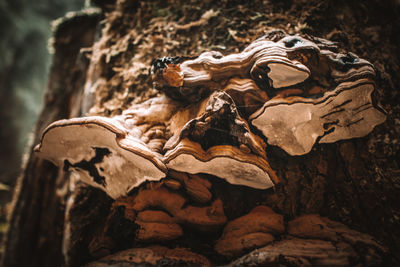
column 102, row 152
column 250, row 231
column 296, row 91
column 219, row 113
column 219, row 142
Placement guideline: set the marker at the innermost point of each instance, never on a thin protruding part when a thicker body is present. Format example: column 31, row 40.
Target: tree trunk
column 355, row 183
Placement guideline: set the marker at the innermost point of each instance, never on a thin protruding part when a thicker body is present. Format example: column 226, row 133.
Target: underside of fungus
column 344, row 113
column 295, row 91
column 219, row 142
column 218, row 113
column 102, row 152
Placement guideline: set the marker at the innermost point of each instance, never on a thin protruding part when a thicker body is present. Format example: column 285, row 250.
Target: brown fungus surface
column 259, row 237
column 305, row 91
column 217, row 114
column 295, row 91
column 346, row 181
column 250, row 231
column 219, row 142
column 103, row 152
column 312, row 240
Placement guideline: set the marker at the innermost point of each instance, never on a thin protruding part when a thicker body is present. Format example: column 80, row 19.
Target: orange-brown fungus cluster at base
column 161, row 213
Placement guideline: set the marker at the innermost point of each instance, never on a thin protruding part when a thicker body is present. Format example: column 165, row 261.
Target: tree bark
column 354, row 182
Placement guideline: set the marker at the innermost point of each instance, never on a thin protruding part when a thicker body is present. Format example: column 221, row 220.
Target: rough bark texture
column 355, row 183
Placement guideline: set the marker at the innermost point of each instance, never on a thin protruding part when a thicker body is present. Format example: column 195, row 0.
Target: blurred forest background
column 25, row 57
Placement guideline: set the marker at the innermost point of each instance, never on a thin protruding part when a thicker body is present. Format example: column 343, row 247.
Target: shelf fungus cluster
column 216, row 114
column 160, row 212
column 260, row 238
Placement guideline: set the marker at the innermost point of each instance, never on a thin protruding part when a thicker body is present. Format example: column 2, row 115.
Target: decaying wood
column 325, row 243
column 153, row 256
column 248, row 111
column 300, row 252
column 212, row 135
column 308, row 239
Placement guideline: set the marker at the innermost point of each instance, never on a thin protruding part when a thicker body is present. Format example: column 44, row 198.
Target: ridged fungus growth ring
column 296, row 91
